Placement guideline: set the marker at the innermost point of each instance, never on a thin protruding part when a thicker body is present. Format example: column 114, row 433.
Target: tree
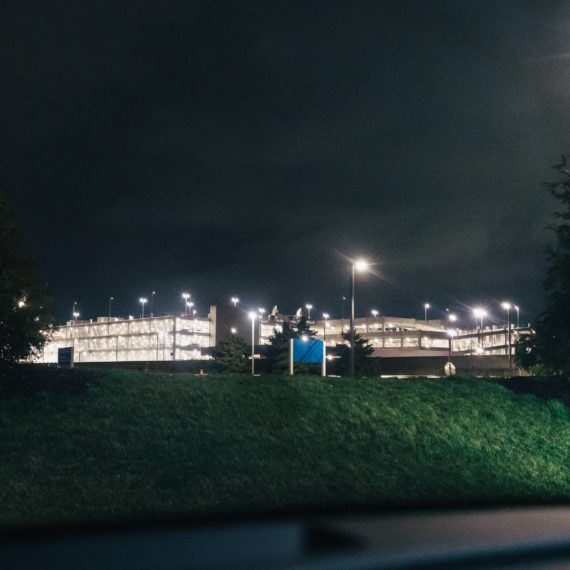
column 279, row 342
column 231, row 355
column 25, row 318
column 548, row 349
column 362, row 351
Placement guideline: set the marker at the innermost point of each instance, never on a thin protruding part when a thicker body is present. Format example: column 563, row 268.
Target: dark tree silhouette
column 25, row 318
column 548, row 349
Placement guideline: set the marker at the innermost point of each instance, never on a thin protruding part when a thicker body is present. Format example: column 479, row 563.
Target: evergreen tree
column 25, row 321
column 231, row 355
column 362, row 351
column 549, row 348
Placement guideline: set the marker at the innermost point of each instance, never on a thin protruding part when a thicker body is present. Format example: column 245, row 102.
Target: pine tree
column 549, row 348
column 231, row 355
column 362, row 351
column 25, row 319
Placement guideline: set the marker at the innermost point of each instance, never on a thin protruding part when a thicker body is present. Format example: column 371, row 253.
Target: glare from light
column 261, row 310
column 374, row 313
column 479, row 312
column 506, row 305
column 451, row 332
column 252, row 315
column 427, row 306
column 233, row 330
column 304, row 338
column 21, row 304
column 516, row 307
column 326, row 316
column 361, row 265
column 309, row 306
column 189, row 304
column 142, row 300
column 186, row 296
column 452, row 318
column 235, row 301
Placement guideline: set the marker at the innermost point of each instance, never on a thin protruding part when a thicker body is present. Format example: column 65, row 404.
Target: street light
column 326, row 318
column 75, row 315
column 507, row 306
column 426, row 307
column 189, row 305
column 517, row 309
column 152, row 303
column 234, row 301
column 143, row 302
column 451, row 334
column 73, row 311
column 252, row 315
column 360, row 265
column 111, row 299
column 452, row 318
column 309, row 307
column 233, row 330
column 479, row 313
column 186, row 296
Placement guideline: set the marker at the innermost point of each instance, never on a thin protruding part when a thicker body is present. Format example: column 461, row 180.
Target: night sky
column 247, row 148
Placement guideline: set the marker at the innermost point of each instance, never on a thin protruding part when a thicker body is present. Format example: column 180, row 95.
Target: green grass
column 152, row 445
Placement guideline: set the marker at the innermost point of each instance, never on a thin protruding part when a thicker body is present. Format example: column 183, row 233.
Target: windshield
column 269, row 257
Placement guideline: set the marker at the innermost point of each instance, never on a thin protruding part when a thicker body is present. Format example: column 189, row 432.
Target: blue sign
column 310, row 351
column 65, row 356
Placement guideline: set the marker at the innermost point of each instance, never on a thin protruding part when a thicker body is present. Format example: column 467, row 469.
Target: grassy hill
column 125, row 444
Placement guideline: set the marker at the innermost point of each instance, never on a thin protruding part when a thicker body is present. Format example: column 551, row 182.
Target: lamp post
column 451, row 334
column 152, row 303
column 189, row 305
column 479, row 313
column 75, row 315
column 309, row 307
column 361, row 266
column 143, row 301
column 426, row 307
column 252, row 315
column 111, row 299
column 507, row 306
column 517, row 309
column 74, row 310
column 185, row 296
column 234, row 301
column 326, row 318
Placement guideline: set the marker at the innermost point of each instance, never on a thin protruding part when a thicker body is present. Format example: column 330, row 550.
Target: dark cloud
column 243, row 148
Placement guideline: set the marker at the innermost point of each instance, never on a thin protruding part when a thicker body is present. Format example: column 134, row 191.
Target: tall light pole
column 479, row 313
column 111, row 299
column 152, row 303
column 234, row 301
column 326, row 318
column 309, row 307
column 252, row 315
column 517, row 309
column 75, row 315
column 361, row 266
column 507, row 306
column 189, row 305
column 74, row 310
column 186, row 296
column 143, row 301
column 426, row 307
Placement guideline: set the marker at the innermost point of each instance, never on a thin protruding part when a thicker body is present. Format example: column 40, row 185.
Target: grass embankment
column 133, row 444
